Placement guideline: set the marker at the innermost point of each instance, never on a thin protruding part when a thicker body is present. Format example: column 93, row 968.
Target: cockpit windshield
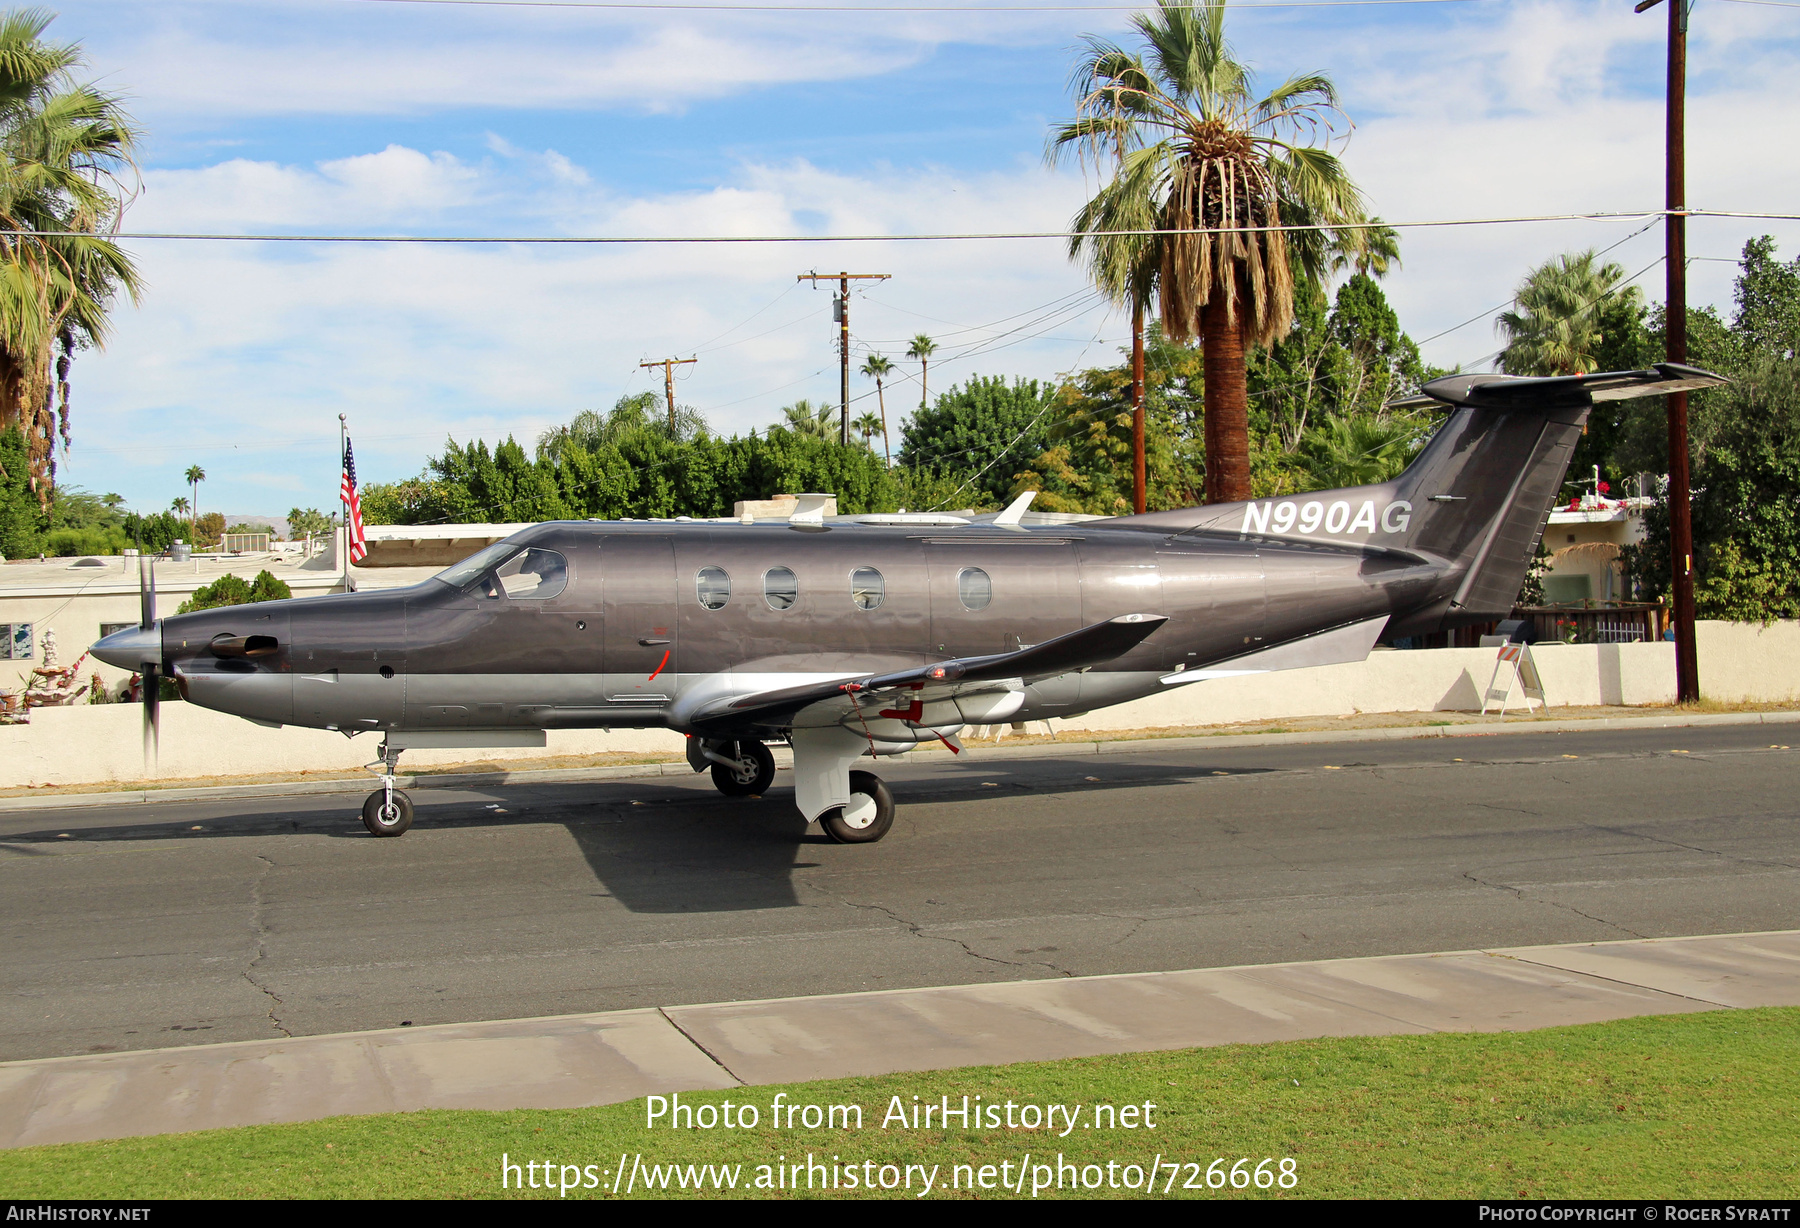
column 520, row 573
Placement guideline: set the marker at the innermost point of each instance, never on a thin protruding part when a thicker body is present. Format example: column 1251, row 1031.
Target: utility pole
column 1681, row 525
column 668, row 365
column 842, row 304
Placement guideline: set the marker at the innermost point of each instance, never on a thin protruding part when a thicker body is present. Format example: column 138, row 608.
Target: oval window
column 714, row 587
column 780, row 588
column 973, row 588
column 867, row 588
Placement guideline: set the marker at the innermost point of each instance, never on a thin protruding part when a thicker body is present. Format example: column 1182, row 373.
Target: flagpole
column 343, row 503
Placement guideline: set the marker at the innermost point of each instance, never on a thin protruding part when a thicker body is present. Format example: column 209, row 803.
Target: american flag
column 359, row 549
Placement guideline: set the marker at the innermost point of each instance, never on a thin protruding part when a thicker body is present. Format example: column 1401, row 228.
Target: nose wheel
column 749, row 772
column 388, row 812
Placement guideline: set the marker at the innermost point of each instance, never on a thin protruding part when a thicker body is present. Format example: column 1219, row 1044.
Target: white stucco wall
column 1738, row 663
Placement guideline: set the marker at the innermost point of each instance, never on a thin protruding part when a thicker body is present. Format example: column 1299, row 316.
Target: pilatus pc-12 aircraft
column 869, row 635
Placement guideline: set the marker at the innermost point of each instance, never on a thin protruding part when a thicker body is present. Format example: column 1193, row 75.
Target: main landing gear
column 388, row 811
column 851, row 807
column 745, row 768
column 868, row 816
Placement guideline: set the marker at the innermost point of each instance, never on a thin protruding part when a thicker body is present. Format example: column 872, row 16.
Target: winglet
column 1016, row 509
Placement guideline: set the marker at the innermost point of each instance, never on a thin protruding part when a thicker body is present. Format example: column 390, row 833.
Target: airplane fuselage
column 651, row 616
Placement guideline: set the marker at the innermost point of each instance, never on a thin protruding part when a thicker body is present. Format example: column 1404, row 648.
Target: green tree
column 920, row 351
column 805, row 418
column 232, row 590
column 304, row 522
column 1746, row 504
column 982, row 432
column 22, row 518
column 1767, row 295
column 1180, row 126
column 180, row 506
column 877, row 368
column 1556, row 324
column 196, row 475
column 869, row 425
column 63, row 148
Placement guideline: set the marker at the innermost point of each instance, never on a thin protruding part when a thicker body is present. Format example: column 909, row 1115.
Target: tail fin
column 1474, row 501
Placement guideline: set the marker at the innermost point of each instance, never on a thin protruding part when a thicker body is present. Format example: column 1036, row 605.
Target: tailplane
column 1475, row 499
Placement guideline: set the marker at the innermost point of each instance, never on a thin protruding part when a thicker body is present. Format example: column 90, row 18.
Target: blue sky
column 373, row 117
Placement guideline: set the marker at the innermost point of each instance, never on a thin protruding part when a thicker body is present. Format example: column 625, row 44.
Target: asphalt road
column 149, row 925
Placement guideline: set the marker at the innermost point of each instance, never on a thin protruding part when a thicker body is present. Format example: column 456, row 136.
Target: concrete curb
column 783, row 759
column 570, row 1061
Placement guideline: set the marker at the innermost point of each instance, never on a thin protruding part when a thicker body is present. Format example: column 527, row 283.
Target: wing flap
column 1090, row 646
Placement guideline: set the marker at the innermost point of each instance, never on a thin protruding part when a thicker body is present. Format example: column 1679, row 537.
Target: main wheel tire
column 383, row 821
column 868, row 816
column 754, row 773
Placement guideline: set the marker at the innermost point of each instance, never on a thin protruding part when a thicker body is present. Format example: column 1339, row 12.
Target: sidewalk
column 974, row 750
column 575, row 1060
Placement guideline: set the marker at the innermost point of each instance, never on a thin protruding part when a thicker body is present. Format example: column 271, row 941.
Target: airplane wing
column 1094, row 645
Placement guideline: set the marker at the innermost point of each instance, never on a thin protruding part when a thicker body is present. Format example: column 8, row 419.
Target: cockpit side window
column 476, row 564
column 534, row 575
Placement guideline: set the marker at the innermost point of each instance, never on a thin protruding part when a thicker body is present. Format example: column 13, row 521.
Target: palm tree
column 195, row 476
column 805, row 418
column 1220, row 172
column 868, row 424
column 1555, row 327
column 181, row 507
column 63, row 149
column 920, row 351
column 878, row 368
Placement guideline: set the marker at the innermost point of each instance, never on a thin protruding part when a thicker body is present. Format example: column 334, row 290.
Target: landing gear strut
column 388, row 811
column 745, row 768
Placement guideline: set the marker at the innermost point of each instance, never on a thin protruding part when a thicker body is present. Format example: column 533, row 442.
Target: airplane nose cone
column 130, row 648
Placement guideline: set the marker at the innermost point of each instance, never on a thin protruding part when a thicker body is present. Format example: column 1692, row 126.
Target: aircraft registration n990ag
column 869, row 635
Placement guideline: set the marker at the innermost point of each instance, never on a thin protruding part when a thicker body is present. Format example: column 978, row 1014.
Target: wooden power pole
column 668, row 365
column 1681, row 524
column 843, row 322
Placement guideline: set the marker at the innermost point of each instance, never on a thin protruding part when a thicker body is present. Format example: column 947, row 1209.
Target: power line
column 946, row 236
column 634, row 6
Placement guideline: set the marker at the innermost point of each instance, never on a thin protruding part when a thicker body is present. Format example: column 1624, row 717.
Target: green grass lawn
column 1694, row 1106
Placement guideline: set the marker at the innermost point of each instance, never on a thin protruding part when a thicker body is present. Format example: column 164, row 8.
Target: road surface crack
column 1519, row 893
column 919, row 931
column 259, row 934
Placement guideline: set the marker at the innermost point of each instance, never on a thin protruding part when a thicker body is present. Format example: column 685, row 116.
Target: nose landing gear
column 387, row 811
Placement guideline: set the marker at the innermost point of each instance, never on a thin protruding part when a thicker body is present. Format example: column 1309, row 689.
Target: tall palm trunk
column 1137, row 404
column 881, row 400
column 1227, row 400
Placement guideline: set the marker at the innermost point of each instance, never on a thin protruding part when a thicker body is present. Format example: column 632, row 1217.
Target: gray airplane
column 870, row 635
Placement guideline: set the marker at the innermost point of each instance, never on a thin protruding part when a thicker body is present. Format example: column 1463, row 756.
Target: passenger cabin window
column 714, row 587
column 973, row 588
column 867, row 588
column 780, row 588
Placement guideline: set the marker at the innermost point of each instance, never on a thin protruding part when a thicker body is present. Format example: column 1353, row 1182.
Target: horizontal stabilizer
column 1517, row 392
column 1094, row 645
column 1340, row 646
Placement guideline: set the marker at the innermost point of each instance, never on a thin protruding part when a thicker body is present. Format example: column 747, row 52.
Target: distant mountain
column 276, row 523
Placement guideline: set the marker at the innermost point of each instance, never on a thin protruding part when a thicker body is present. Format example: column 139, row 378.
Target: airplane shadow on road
column 655, row 846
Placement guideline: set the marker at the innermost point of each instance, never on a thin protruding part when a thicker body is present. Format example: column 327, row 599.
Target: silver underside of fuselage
column 368, row 702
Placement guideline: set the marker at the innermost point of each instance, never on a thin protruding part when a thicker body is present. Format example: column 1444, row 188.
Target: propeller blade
column 146, row 592
column 152, row 715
